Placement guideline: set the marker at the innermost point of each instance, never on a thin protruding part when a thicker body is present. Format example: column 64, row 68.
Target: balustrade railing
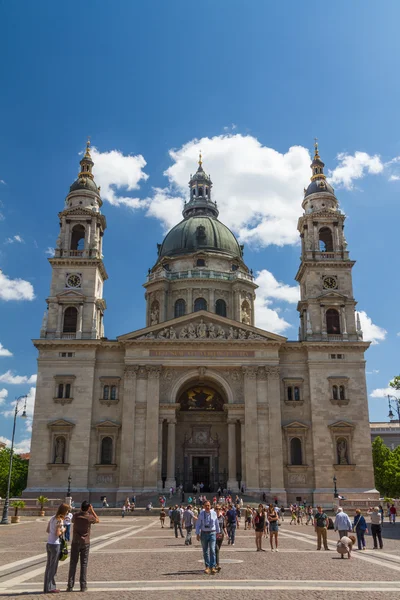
column 199, row 274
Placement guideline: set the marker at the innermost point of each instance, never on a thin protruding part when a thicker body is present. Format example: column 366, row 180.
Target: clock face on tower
column 330, row 283
column 74, row 280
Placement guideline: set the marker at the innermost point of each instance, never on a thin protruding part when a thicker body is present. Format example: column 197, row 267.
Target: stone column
column 243, row 451
column 323, row 322
column 59, row 321
column 189, row 304
column 211, row 307
column 79, row 324
column 66, row 244
column 232, row 472
column 160, row 445
column 344, row 322
column 251, row 428
column 275, row 429
column 152, row 427
column 171, row 455
column 125, row 459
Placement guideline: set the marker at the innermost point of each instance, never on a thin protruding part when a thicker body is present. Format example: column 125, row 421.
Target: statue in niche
column 201, row 330
column 154, row 314
column 59, row 451
column 342, row 452
column 245, row 313
column 211, row 331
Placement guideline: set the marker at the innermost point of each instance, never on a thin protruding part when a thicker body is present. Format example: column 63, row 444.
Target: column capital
column 153, row 371
column 130, row 371
column 273, row 372
column 141, row 372
column 250, row 372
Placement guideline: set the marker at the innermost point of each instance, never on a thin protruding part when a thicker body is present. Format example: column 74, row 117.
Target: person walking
column 188, row 523
column 392, row 514
column 162, row 517
column 342, row 523
column 177, row 520
column 259, row 527
column 220, row 536
column 67, row 525
column 207, row 528
column 360, row 528
column 321, row 522
column 273, row 520
column 231, row 522
column 55, row 529
column 376, row 527
column 82, row 522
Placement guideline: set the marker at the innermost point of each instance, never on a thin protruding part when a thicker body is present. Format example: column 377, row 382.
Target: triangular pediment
column 295, row 425
column 334, row 295
column 341, row 425
column 202, row 326
column 61, row 423
column 107, row 425
column 73, row 295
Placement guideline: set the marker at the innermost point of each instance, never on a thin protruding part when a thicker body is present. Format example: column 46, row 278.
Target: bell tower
column 327, row 305
column 75, row 305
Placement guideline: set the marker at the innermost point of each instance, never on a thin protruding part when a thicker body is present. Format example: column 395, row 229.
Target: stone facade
column 201, row 394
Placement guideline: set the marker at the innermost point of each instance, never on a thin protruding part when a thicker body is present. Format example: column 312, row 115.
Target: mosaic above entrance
column 201, row 398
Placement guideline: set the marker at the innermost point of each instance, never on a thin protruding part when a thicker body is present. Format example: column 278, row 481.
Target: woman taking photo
column 54, row 530
column 259, row 526
column 273, row 519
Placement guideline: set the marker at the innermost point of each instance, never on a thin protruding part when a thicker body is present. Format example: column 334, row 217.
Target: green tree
column 395, row 384
column 380, row 455
column 19, row 474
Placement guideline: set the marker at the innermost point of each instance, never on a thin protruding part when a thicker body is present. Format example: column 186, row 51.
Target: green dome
column 200, row 232
column 84, row 183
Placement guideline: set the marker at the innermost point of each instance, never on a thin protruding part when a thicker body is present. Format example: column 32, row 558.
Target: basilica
column 201, row 394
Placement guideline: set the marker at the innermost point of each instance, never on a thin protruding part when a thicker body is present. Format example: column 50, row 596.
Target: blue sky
column 251, row 84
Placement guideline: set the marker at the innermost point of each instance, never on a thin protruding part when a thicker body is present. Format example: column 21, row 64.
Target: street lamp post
column 4, row 520
column 394, row 404
column 335, row 492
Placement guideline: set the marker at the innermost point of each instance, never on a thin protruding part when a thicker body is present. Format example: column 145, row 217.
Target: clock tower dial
column 329, row 283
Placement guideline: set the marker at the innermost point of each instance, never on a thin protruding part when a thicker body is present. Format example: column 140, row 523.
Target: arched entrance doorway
column 201, row 436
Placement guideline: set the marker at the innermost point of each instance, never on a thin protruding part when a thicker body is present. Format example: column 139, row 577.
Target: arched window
column 60, row 391
column 220, row 308
column 200, row 262
column 78, row 237
column 70, row 319
column 296, row 457
column 325, row 240
column 106, row 392
column 332, row 321
column 200, row 304
column 296, row 393
column 106, row 451
column 342, row 392
column 200, row 191
column 180, row 308
column 113, row 392
column 335, row 394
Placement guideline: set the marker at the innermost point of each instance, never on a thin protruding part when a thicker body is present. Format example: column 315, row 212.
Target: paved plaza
column 135, row 558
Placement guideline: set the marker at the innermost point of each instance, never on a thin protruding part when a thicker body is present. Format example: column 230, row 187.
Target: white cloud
column 3, row 182
column 11, row 379
column 269, row 290
column 398, row 334
column 384, row 392
column 394, row 178
column 14, row 238
column 371, row 332
column 4, row 351
column 30, row 405
column 115, row 173
column 50, row 251
column 20, row 447
column 15, row 289
column 3, row 395
column 353, row 167
column 258, row 189
column 373, row 372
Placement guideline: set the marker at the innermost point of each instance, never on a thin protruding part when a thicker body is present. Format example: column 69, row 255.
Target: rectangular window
column 66, row 354
column 67, row 390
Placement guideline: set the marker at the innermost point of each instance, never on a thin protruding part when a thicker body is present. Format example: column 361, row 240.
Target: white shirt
column 52, row 537
column 67, row 519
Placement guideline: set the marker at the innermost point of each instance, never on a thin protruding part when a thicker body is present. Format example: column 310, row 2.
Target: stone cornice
column 79, row 262
column 337, row 263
